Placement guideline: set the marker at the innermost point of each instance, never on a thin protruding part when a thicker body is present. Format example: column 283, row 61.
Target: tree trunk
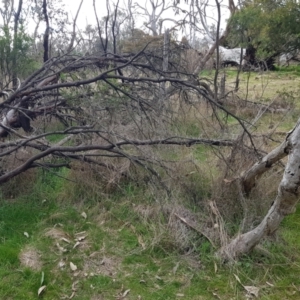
column 15, row 42
column 47, row 32
column 284, row 204
column 218, row 41
column 165, row 64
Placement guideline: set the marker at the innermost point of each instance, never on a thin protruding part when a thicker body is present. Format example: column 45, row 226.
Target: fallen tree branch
column 47, row 150
column 284, row 204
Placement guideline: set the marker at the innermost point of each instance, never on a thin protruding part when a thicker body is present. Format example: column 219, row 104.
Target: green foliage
column 15, row 54
column 293, row 70
column 272, row 27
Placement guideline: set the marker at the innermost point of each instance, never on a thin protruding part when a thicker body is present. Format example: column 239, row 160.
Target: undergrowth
column 123, row 248
column 96, row 233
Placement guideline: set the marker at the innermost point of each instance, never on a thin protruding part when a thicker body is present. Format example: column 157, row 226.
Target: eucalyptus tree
column 99, row 107
column 15, row 43
column 93, row 95
column 266, row 28
column 54, row 31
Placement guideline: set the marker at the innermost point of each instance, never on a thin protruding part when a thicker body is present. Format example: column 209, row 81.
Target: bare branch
column 74, row 28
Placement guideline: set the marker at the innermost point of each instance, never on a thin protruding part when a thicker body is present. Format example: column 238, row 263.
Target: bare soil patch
column 30, row 257
column 101, row 265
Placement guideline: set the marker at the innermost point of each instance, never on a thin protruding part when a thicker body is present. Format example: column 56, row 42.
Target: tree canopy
column 271, row 27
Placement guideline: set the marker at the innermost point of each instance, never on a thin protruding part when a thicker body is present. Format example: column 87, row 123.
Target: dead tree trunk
column 284, row 204
column 165, row 66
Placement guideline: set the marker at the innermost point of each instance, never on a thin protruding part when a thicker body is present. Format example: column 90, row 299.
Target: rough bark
column 284, row 204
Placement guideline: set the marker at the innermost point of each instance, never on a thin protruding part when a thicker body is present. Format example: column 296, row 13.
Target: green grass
column 293, row 69
column 122, row 251
column 55, row 126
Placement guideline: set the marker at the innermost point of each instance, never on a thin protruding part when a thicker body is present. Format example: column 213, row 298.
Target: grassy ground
column 67, row 240
column 106, row 248
column 279, row 89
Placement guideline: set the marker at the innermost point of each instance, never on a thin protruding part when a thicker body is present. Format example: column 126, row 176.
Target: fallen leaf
column 141, row 242
column 61, row 249
column 80, row 238
column 42, row 278
column 175, row 268
column 237, row 278
column 216, row 267
column 227, row 181
column 74, row 286
column 61, row 264
column 270, row 284
column 80, row 233
column 76, row 244
column 84, row 215
column 179, row 295
column 26, row 234
column 94, row 254
column 73, row 267
column 41, row 289
column 253, row 290
column 125, row 293
column 190, row 173
column 216, row 295
column 65, row 240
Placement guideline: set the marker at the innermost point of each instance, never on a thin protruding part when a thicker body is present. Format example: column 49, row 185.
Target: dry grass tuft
column 97, row 179
column 30, row 258
column 147, row 212
column 183, row 227
column 19, row 185
column 55, row 217
column 56, row 233
column 24, row 182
